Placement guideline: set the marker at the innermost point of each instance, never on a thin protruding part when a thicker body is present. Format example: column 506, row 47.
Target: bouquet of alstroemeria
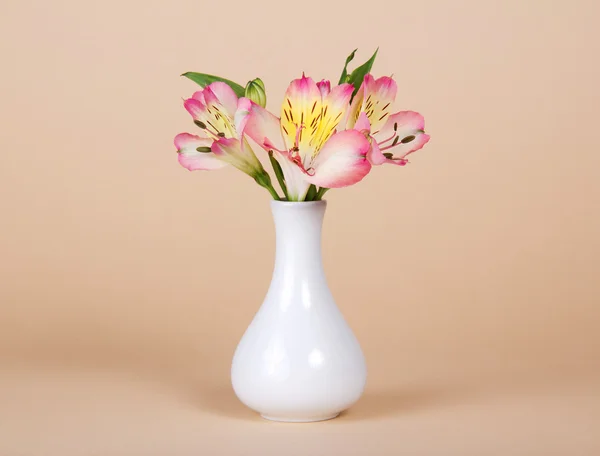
column 325, row 137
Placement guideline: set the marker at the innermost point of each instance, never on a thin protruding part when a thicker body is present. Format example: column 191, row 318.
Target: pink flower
column 215, row 109
column 401, row 134
column 304, row 138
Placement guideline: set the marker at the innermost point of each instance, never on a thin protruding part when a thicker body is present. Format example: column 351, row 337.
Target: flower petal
column 342, row 160
column 355, row 108
column 211, row 115
column 324, row 87
column 363, row 124
column 199, row 95
column 190, row 158
column 379, row 96
column 295, row 179
column 335, row 106
column 195, row 107
column 224, row 94
column 375, row 156
column 397, row 161
column 402, row 122
column 403, row 134
column 237, row 153
column 264, row 129
column 299, row 114
column 375, row 98
column 244, row 107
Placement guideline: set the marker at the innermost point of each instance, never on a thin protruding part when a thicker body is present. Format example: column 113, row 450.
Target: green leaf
column 203, row 80
column 311, row 193
column 345, row 70
column 358, row 75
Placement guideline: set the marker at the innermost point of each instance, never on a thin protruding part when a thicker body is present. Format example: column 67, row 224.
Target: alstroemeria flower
column 393, row 136
column 305, row 139
column 197, row 153
column 214, row 110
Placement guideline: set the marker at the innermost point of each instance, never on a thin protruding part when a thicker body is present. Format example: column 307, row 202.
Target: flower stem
column 311, row 194
column 273, row 193
column 264, row 180
column 320, row 193
column 278, row 173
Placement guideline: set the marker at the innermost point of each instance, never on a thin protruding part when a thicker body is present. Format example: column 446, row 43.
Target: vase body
column 298, row 361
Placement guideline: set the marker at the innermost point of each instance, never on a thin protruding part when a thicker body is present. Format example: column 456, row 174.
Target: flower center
column 217, row 123
column 307, row 126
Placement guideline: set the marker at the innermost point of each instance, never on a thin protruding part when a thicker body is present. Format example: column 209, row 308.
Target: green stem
column 264, row 180
column 278, row 173
column 273, row 193
column 320, row 193
column 311, row 193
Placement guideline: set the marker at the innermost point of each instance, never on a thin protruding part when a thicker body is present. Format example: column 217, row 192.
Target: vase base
column 284, row 419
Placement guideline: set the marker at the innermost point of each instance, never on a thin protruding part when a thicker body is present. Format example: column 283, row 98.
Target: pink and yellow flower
column 305, row 137
column 214, row 110
column 393, row 136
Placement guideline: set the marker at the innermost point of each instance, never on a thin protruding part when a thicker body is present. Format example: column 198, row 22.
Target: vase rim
column 298, row 203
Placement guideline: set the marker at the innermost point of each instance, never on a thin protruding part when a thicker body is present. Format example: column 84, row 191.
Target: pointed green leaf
column 358, row 75
column 345, row 70
column 203, row 80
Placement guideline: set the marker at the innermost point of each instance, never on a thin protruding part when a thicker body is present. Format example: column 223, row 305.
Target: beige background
column 470, row 276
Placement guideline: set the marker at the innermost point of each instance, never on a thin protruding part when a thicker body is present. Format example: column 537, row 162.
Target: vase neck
column 298, row 238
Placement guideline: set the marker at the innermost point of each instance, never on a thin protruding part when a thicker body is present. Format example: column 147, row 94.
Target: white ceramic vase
column 298, row 360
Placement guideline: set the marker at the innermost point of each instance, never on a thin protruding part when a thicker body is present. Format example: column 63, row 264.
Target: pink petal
column 194, row 107
column 212, row 113
column 418, row 143
column 303, row 90
column 224, row 95
column 301, row 106
column 244, row 107
column 199, row 95
column 408, row 121
column 375, row 156
column 384, row 88
column 339, row 97
column 342, row 161
column 378, row 98
column 190, row 158
column 396, row 161
column 324, row 87
column 403, row 134
column 362, row 124
column 264, row 129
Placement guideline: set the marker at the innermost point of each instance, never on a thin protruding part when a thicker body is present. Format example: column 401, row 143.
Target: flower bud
column 255, row 91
